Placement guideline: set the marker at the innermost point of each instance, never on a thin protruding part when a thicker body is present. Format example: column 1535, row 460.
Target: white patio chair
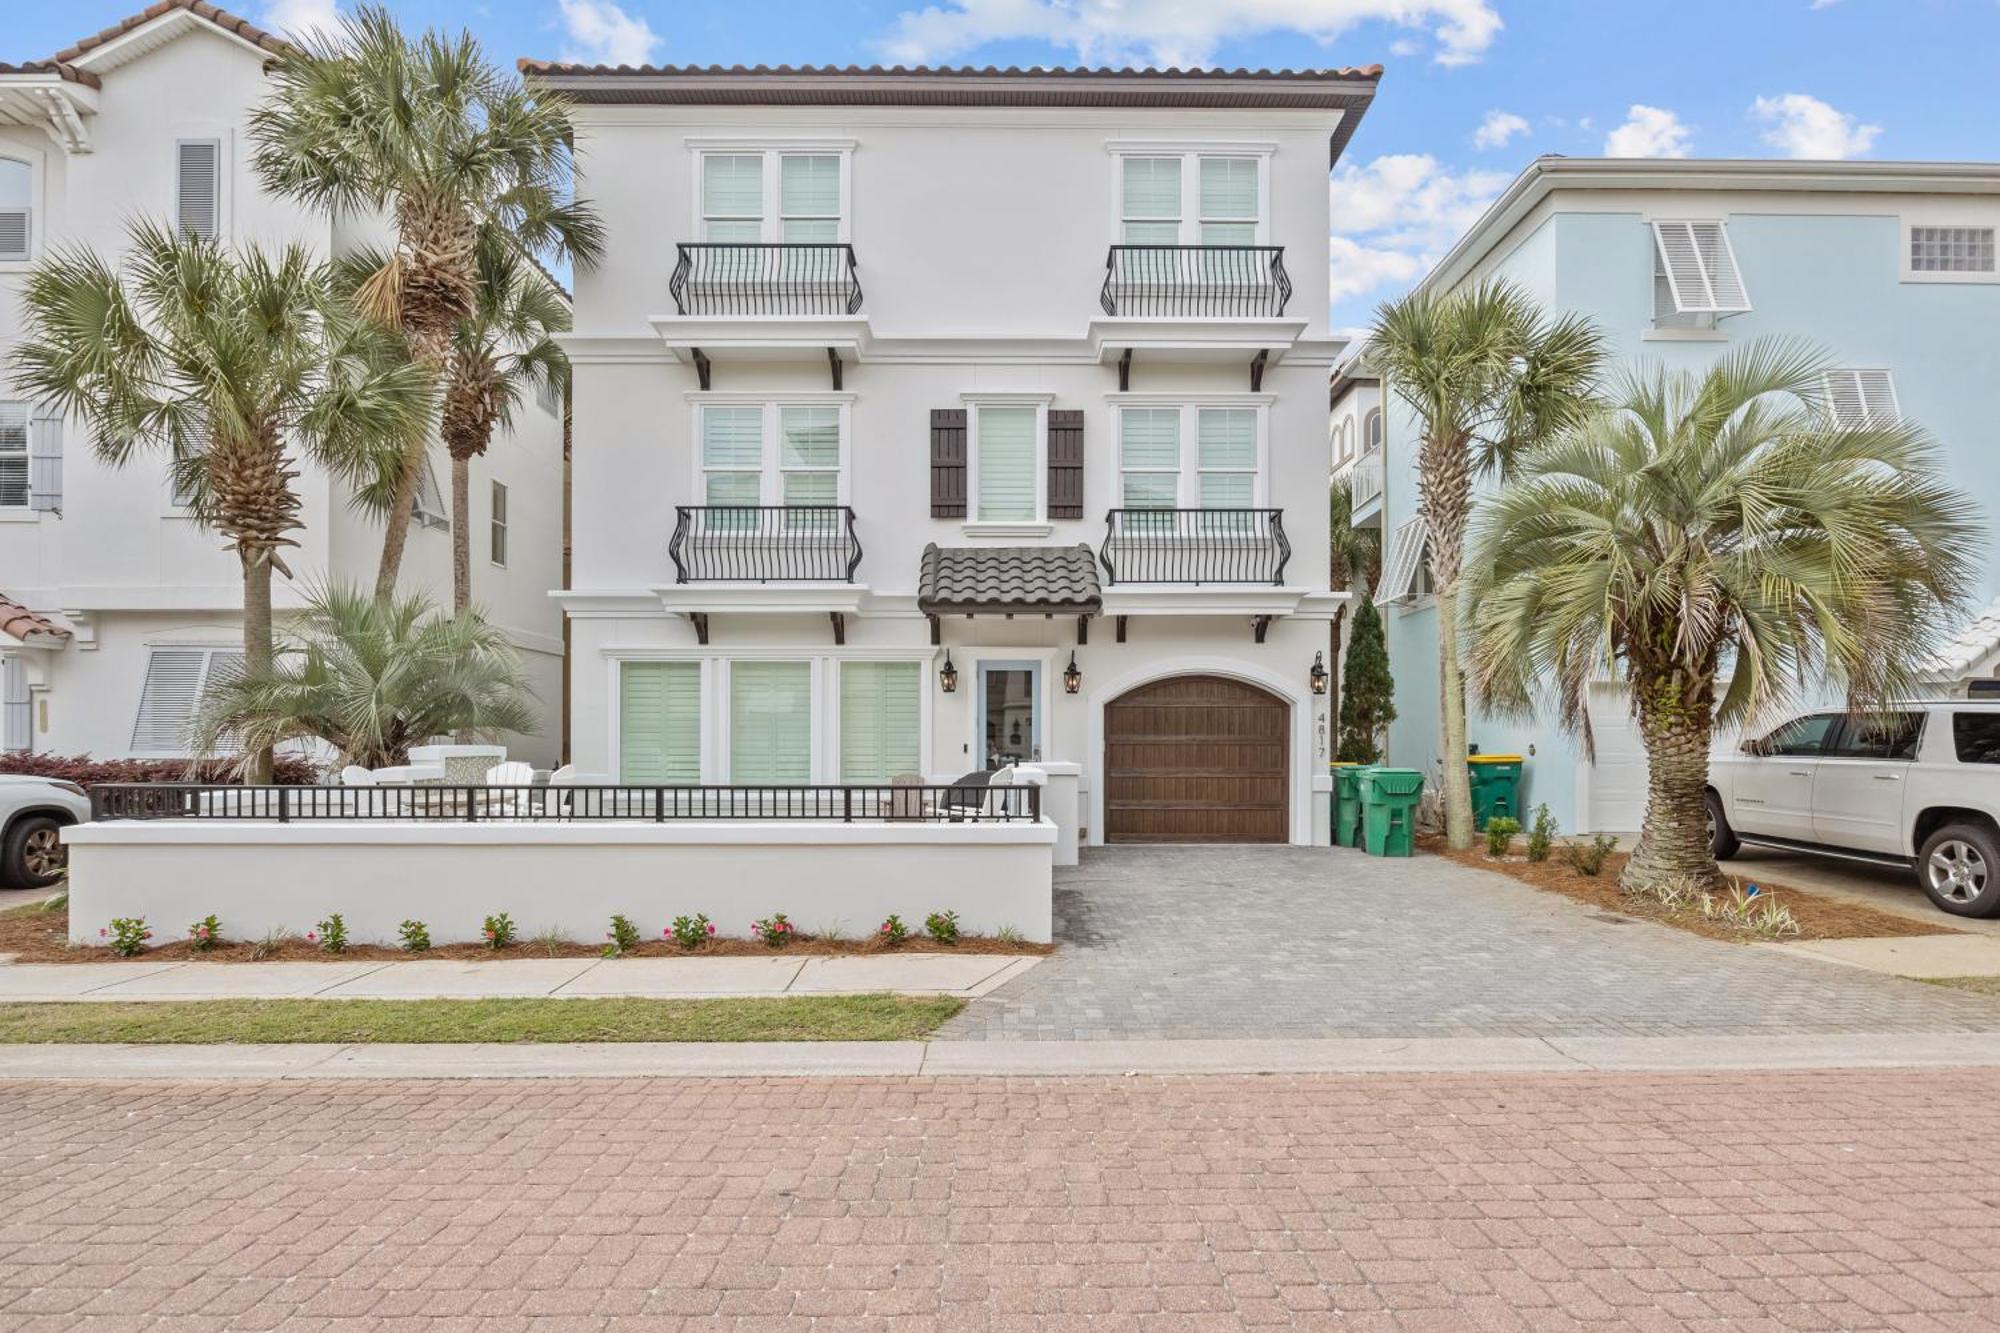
column 560, row 802
column 514, row 773
column 350, row 802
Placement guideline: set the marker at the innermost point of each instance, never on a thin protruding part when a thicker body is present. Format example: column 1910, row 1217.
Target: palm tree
column 371, row 677
column 1728, row 544
column 1488, row 377
column 220, row 361
column 502, row 348
column 459, row 156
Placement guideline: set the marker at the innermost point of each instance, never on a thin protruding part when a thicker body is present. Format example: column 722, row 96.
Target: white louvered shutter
column 1862, row 397
column 167, row 701
column 880, row 720
column 198, row 196
column 14, row 233
column 1006, row 464
column 1399, row 571
column 659, row 723
column 45, row 460
column 770, row 722
column 1701, row 268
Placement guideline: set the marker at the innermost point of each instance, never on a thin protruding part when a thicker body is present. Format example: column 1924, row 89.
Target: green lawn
column 791, row 1018
column 1982, row 985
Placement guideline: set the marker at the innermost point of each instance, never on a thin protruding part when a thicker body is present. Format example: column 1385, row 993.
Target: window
column 185, row 468
column 17, row 184
column 771, row 454
column 1228, row 201
column 198, row 187
column 1371, row 431
column 770, row 722
column 1879, row 736
column 1976, row 737
column 1149, row 457
column 13, row 455
column 659, row 723
column 1151, row 191
column 1226, row 455
column 1406, row 568
column 1951, row 250
column 808, row 188
column 1191, row 198
column 177, row 680
column 1805, row 736
column 881, row 720
column 1698, row 268
column 1007, row 467
column 1861, row 397
column 732, row 197
column 497, row 537
column 427, row 505
column 1189, row 456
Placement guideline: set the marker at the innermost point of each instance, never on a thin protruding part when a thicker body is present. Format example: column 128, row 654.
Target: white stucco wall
column 569, row 878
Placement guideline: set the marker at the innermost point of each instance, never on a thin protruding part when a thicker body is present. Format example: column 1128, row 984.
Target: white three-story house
column 932, row 421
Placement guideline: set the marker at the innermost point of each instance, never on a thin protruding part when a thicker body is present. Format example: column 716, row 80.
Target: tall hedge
column 1367, row 692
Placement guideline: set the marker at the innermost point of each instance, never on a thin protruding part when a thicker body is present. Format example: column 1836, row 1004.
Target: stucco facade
column 104, row 551
column 1823, row 252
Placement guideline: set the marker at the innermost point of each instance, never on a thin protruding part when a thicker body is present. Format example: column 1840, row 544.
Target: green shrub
column 942, row 927
column 1588, row 858
column 775, row 930
column 623, row 936
column 691, row 932
column 205, row 934
column 1542, row 835
column 498, row 930
column 893, row 931
column 126, row 935
column 331, row 936
column 416, row 936
column 1500, row 831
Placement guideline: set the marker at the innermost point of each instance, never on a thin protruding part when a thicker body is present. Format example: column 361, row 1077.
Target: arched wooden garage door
column 1196, row 759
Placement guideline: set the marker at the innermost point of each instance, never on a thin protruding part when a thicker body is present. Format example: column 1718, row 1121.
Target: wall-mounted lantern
column 948, row 675
column 1317, row 676
column 1072, row 677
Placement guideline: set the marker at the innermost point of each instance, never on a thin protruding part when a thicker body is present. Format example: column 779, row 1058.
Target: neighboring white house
column 931, row 420
column 137, row 608
column 1889, row 267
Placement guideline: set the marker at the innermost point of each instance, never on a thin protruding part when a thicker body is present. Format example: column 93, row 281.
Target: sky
column 1473, row 89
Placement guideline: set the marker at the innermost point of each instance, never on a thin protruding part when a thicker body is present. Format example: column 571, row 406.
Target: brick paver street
column 1307, row 942
column 1856, row 1200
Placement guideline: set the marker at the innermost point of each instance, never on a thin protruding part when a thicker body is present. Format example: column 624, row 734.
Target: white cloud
column 600, row 33
column 301, row 18
column 1649, row 131
column 1803, row 126
column 1497, row 129
column 1824, row 4
column 1396, row 216
column 1175, row 32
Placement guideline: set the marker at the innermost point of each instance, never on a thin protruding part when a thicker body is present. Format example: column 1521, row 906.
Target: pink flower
column 102, row 932
column 711, row 927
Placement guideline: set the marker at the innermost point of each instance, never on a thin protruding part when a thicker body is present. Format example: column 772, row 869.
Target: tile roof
column 201, row 9
column 68, row 73
column 1965, row 648
column 21, row 623
column 1346, row 73
column 962, row 580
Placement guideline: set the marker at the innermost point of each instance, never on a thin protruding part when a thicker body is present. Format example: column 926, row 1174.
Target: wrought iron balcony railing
column 755, row 278
column 764, row 544
column 1196, row 281
column 1195, row 546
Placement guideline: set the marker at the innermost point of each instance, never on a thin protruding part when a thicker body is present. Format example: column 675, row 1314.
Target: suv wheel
column 33, row 856
column 1722, row 842
column 1959, row 868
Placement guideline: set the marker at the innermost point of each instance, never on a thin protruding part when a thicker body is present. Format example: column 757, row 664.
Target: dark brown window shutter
column 1065, row 464
column 947, row 462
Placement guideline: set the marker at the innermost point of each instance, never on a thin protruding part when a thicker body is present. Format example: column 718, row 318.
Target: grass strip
column 1977, row 985
column 228, row 1022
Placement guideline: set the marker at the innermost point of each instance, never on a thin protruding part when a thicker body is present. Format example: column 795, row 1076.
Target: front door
column 1010, row 714
column 1858, row 783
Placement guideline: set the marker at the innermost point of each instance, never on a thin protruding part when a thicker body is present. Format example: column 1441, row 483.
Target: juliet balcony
column 755, row 300
column 1196, row 281
column 1194, row 547
column 764, row 544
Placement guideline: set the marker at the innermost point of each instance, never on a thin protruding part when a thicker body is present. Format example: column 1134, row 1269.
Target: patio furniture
column 906, row 804
column 560, row 802
column 968, row 794
column 511, row 775
column 354, row 775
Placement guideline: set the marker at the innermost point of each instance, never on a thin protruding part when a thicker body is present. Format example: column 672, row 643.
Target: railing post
column 284, row 805
column 847, row 805
column 471, row 806
column 659, row 805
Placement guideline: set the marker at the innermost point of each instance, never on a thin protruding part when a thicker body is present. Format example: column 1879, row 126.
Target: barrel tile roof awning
column 1009, row 580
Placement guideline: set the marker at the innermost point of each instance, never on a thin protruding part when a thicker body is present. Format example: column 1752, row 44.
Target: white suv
column 33, row 813
column 1915, row 784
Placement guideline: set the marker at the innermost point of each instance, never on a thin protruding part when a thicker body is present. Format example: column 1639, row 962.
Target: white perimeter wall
column 566, row 877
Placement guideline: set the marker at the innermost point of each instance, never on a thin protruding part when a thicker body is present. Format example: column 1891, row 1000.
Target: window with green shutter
column 1149, row 457
column 770, row 722
column 880, row 720
column 1004, row 439
column 659, row 723
column 1226, row 454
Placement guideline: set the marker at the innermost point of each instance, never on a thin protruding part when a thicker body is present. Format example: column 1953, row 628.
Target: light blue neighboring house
column 1889, row 266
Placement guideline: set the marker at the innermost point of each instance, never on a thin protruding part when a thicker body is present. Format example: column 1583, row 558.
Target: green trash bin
column 1496, row 787
column 1347, row 803
column 1389, row 799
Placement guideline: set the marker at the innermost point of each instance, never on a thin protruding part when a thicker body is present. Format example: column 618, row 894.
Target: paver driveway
column 1301, row 941
column 1542, row 1202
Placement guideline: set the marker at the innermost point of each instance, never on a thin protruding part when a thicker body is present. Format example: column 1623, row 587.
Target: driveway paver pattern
column 1605, row 1201
column 1316, row 942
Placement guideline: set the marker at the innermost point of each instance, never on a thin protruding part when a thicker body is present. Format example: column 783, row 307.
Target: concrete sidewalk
column 965, row 976
column 1359, row 1055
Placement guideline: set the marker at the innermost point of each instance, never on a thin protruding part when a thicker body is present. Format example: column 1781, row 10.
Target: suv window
column 1976, row 737
column 1879, row 736
column 1802, row 736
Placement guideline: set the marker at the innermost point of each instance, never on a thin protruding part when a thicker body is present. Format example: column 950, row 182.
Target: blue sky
column 1746, row 78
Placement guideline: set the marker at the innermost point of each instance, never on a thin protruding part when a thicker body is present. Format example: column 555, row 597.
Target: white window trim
column 38, row 195
column 421, row 516
column 926, row 690
column 1038, row 526
column 771, row 477
column 1190, row 152
column 771, row 223
column 24, row 512
column 1908, row 274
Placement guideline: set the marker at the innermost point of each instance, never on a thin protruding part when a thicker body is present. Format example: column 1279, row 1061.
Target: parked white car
column 1916, row 785
column 33, row 813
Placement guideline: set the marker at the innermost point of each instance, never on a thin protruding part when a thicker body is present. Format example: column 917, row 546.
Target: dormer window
column 17, row 184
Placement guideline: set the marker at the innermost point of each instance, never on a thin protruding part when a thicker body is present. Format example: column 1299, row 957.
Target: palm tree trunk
column 1676, row 724
column 1451, row 690
column 461, row 533
column 257, row 651
column 397, row 534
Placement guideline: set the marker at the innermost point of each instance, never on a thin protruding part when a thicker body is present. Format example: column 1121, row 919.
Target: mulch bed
column 43, row 937
column 1819, row 918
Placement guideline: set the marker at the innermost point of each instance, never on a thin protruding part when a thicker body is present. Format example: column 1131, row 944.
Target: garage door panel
column 1197, row 759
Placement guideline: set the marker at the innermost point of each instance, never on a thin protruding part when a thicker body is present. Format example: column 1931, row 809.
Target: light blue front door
column 1009, row 720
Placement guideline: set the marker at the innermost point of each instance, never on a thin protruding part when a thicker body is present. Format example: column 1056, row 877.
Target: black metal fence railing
column 765, row 278
column 1195, row 546
column 1196, row 281
column 764, row 544
column 439, row 803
